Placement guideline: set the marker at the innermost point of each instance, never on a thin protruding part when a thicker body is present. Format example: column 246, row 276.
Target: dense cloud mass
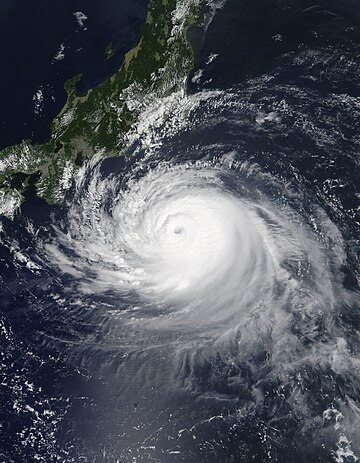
column 214, row 263
column 201, row 242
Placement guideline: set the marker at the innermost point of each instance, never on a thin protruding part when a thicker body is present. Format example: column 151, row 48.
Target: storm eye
column 178, row 230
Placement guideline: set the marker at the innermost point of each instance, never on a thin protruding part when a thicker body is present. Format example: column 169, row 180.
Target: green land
column 100, row 120
column 109, row 51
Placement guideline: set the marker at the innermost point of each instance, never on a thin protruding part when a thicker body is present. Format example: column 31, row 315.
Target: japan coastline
column 157, row 66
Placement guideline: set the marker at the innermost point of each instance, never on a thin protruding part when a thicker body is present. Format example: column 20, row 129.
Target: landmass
column 109, row 51
column 107, row 119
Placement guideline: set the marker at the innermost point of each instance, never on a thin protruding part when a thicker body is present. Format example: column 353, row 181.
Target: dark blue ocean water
column 31, row 36
column 247, row 38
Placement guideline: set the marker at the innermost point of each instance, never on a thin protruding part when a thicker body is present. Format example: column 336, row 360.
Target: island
column 107, row 119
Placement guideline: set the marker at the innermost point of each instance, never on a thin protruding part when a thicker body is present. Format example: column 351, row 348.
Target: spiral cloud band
column 211, row 277
column 200, row 245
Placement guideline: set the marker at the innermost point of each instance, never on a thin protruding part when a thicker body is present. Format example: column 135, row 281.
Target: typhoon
column 223, row 283
column 200, row 298
column 204, row 293
column 201, row 247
